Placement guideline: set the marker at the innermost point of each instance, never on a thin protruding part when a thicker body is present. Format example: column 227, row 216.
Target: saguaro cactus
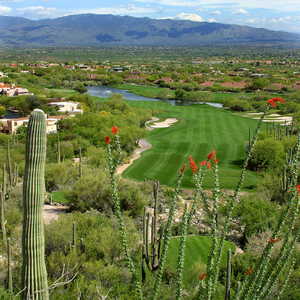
column 34, row 274
column 152, row 233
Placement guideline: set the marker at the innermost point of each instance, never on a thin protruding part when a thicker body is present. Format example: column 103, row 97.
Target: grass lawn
column 63, row 92
column 200, row 129
column 147, row 91
column 59, row 197
column 196, row 255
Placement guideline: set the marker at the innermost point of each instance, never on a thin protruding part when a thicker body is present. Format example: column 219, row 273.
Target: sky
column 271, row 14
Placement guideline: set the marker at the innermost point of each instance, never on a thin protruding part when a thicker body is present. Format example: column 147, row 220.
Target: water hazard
column 106, row 92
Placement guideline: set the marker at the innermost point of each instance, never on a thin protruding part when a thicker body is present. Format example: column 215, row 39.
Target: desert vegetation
column 209, row 211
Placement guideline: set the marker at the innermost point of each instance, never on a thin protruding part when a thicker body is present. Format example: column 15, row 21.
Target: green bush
column 239, row 105
column 256, row 215
column 268, row 153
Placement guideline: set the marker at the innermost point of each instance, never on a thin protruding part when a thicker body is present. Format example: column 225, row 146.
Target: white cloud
column 190, row 17
column 38, row 11
column 185, row 16
column 5, row 10
column 216, row 13
column 122, row 10
column 251, row 21
column 278, row 5
column 240, row 11
column 212, row 20
column 172, row 2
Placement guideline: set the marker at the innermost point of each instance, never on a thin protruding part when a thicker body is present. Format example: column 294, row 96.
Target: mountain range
column 110, row 30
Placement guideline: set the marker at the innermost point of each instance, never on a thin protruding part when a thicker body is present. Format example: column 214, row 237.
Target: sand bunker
column 273, row 118
column 274, row 115
column 164, row 124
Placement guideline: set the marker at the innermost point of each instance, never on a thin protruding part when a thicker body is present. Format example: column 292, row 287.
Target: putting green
column 196, row 253
column 200, row 129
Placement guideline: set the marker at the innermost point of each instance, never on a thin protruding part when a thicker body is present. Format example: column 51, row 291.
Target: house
column 11, row 126
column 11, row 90
column 67, row 107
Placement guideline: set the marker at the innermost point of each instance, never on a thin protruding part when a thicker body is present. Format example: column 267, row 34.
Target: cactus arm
column 9, row 272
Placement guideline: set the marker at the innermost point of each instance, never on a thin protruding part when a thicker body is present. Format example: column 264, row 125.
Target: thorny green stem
column 167, row 238
column 181, row 253
column 118, row 213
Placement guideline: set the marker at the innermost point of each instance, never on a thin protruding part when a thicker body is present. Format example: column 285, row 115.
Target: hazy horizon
column 275, row 15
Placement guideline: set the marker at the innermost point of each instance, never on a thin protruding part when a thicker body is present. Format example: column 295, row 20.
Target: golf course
column 199, row 130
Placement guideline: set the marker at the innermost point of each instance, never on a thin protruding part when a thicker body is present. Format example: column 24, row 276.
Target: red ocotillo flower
column 203, row 163
column 193, row 165
column 107, row 140
column 212, row 155
column 114, row 130
column 273, row 101
column 202, row 276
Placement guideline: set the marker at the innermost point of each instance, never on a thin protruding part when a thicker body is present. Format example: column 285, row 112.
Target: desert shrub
column 58, row 176
column 268, row 153
column 238, row 105
column 256, row 215
column 92, row 191
column 97, row 257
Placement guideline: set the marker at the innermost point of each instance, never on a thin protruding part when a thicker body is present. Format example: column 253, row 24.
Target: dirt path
column 52, row 212
column 143, row 146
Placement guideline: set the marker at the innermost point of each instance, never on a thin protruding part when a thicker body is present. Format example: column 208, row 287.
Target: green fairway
column 196, row 254
column 147, row 91
column 63, row 92
column 200, row 129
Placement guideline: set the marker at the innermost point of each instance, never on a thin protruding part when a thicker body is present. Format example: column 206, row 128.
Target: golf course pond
column 106, row 92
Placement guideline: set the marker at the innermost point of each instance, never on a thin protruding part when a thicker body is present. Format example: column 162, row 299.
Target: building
column 67, row 107
column 11, row 126
column 11, row 90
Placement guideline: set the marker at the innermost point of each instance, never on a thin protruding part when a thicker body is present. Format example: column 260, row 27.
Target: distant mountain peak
column 110, row 30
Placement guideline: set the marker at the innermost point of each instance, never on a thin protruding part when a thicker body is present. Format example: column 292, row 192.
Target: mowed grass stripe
column 200, row 129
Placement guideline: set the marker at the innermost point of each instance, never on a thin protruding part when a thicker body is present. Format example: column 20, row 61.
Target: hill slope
column 109, row 30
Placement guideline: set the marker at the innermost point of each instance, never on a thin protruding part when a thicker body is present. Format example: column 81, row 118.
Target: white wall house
column 12, row 90
column 11, row 125
column 67, row 107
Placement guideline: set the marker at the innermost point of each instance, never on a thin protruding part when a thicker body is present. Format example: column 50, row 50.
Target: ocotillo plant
column 34, row 274
column 112, row 164
column 228, row 276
